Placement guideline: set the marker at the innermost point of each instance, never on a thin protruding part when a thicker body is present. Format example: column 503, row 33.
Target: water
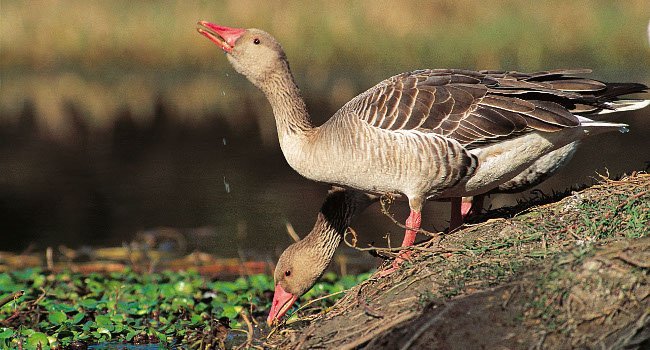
column 226, row 185
column 105, row 188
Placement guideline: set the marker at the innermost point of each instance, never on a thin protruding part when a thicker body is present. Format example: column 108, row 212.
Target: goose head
column 297, row 270
column 303, row 262
column 252, row 52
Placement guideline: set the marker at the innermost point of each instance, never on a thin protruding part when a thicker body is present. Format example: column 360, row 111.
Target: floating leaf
column 36, row 339
column 57, row 317
column 103, row 321
column 6, row 333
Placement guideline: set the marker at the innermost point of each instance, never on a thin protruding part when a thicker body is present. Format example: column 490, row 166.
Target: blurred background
column 117, row 118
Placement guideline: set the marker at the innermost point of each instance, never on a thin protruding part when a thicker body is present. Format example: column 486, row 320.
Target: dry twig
column 13, row 296
column 249, row 333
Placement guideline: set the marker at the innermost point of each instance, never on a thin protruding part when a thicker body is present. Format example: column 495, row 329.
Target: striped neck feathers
column 289, row 108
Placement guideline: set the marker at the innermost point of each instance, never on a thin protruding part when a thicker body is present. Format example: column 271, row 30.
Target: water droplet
column 224, row 141
column 223, row 93
column 624, row 129
column 226, row 185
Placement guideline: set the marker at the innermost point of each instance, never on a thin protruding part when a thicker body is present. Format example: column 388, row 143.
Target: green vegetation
column 57, row 310
column 320, row 35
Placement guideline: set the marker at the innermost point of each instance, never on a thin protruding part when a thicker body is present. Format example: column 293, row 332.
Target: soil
column 569, row 274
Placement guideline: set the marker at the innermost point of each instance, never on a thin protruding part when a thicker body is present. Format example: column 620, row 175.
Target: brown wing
column 477, row 107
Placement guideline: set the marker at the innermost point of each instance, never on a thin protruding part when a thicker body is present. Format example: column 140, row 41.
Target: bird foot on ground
column 403, row 256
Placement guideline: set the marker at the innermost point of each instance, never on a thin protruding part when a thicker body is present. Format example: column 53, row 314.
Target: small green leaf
column 196, row 319
column 6, row 333
column 57, row 317
column 231, row 311
column 63, row 307
column 88, row 303
column 131, row 334
column 37, row 339
column 27, row 332
column 88, row 325
column 104, row 321
column 78, row 317
column 102, row 330
column 182, row 303
column 183, row 287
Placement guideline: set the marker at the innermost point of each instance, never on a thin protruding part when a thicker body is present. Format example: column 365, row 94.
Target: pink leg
column 462, row 208
column 466, row 206
column 413, row 225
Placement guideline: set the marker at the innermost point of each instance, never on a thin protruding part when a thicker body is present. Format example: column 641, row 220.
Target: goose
column 303, row 262
column 425, row 134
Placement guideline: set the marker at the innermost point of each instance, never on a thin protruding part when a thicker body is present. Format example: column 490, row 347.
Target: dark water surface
column 220, row 184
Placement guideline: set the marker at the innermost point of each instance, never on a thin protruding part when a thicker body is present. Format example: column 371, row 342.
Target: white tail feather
column 625, row 105
column 602, row 126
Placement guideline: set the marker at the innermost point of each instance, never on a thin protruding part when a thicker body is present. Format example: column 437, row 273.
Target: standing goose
column 309, row 258
column 435, row 133
column 425, row 134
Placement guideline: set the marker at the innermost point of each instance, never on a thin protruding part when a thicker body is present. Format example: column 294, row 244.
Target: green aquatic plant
column 169, row 308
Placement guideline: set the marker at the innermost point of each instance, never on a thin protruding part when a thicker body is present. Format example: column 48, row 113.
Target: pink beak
column 282, row 302
column 224, row 37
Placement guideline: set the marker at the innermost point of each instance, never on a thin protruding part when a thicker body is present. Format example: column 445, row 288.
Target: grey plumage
column 431, row 133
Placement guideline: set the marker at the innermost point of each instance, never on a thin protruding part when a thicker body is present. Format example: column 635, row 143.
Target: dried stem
column 386, row 200
column 13, row 296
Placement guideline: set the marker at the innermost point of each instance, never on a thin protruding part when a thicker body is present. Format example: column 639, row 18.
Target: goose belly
column 379, row 161
column 503, row 161
column 542, row 169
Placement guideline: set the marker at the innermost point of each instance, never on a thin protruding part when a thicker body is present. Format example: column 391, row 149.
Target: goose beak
column 224, row 37
column 282, row 301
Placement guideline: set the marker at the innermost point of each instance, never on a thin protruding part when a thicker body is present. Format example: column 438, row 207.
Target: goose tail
column 624, row 105
column 602, row 126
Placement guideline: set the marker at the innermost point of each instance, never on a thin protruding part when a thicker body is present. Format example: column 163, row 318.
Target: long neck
column 291, row 115
column 340, row 207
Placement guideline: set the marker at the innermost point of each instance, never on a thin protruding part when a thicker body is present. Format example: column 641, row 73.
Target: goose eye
column 256, row 41
column 287, row 273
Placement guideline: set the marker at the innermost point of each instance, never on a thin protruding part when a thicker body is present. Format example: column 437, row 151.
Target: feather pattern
column 474, row 107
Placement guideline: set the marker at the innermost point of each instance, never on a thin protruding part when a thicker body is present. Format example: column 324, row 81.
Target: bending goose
column 303, row 262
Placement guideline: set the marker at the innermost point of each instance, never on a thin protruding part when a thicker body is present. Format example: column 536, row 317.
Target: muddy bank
column 572, row 273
